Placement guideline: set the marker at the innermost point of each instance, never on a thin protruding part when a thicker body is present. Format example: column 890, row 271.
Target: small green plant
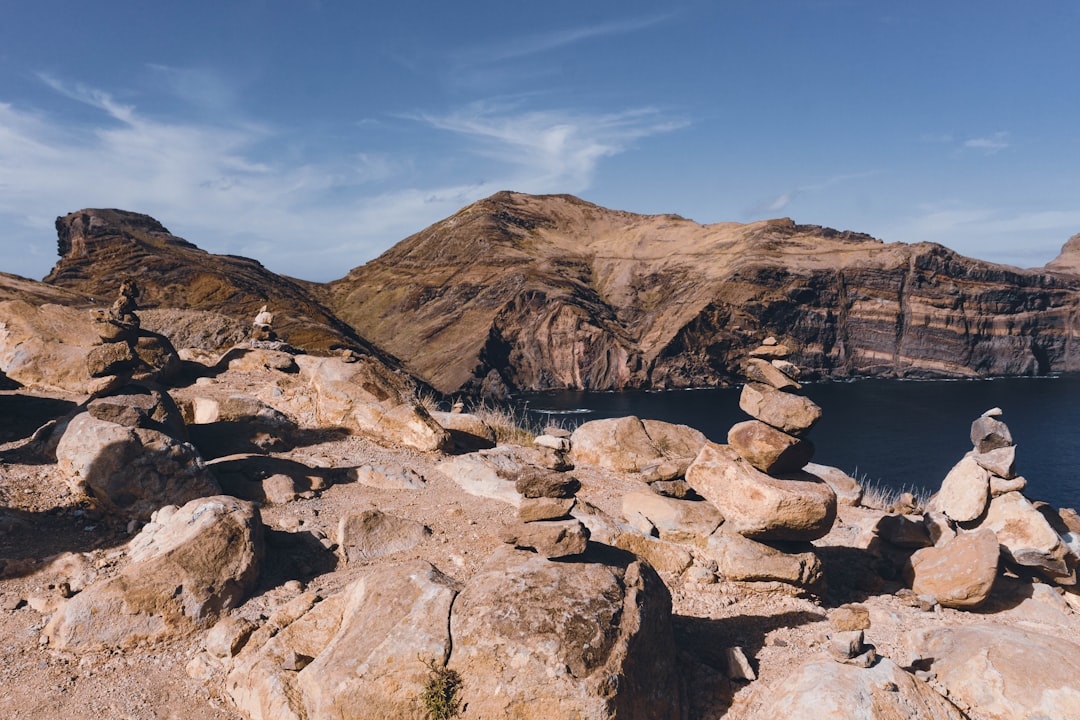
column 440, row 696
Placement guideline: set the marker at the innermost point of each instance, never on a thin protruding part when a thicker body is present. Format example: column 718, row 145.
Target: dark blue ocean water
column 900, row 434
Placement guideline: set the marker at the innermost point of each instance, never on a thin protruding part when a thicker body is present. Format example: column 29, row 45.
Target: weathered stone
column 467, row 431
column 549, row 538
column 544, row 508
column 674, row 441
column 939, row 527
column 960, row 573
column 678, row 489
column 965, row 491
column 762, row 371
column 619, row 444
column 1003, row 672
column 790, row 369
column 111, row 358
column 847, row 489
column 187, row 566
column 280, row 489
column 535, row 640
column 1000, row 486
column 665, row 470
column 228, row 636
column 846, row 644
column 484, row 474
column 741, row 559
column 1026, row 537
column 533, row 482
column 771, row 352
column 850, row 617
column 373, row 534
column 137, row 406
column 389, row 478
column 826, row 690
column 368, row 397
column 988, row 433
column 793, row 414
column 769, row 450
column 130, row 472
column 797, row 506
column 675, row 520
column 663, row 555
column 368, row 647
column 562, row 444
column 737, row 666
column 1000, row 461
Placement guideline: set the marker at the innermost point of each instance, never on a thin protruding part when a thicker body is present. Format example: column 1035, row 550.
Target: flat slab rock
column 823, row 689
column 960, row 573
column 1005, row 673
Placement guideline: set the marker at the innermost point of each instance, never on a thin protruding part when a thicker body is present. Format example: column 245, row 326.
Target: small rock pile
column 771, row 507
column 981, row 520
column 262, row 327
column 127, row 353
column 544, row 522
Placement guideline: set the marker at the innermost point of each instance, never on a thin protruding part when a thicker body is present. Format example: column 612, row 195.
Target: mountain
column 544, row 292
column 99, row 248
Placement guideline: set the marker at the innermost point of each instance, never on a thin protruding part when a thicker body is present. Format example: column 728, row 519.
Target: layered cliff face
column 100, row 248
column 543, row 292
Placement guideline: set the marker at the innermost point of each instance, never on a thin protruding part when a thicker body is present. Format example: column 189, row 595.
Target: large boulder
column 370, row 398
column 1027, row 538
column 620, row 444
column 674, row 440
column 371, row 534
column 675, row 520
column 1002, row 672
column 186, row 567
column 361, row 653
column 741, row 559
column 847, row 489
column 537, row 639
column 46, row 346
column 130, row 470
column 796, row 506
column 960, row 573
column 822, row 689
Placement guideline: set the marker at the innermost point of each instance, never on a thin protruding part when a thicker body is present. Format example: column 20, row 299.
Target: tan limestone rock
column 620, row 444
column 373, row 534
column 762, row 371
column 847, row 489
column 797, row 506
column 999, row 461
column 741, row 559
column 827, row 690
column 790, row 413
column 769, row 450
column 535, row 640
column 960, row 573
column 548, row 538
column 675, row 520
column 467, row 431
column 965, row 490
column 673, row 440
column 544, row 508
column 988, row 433
column 1026, row 538
column 1002, row 672
column 187, row 566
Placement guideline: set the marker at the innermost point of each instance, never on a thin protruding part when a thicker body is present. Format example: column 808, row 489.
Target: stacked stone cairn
column 980, row 523
column 262, row 327
column 544, row 522
column 127, row 352
column 771, row 507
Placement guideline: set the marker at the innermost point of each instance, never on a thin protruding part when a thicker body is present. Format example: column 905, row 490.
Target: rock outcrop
column 537, row 292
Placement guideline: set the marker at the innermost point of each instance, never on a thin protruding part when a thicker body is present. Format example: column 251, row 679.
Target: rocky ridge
column 539, row 292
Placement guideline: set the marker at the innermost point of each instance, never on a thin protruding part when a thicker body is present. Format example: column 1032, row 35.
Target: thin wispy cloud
column 218, row 186
column 535, row 44
column 990, row 144
column 551, row 150
column 786, row 198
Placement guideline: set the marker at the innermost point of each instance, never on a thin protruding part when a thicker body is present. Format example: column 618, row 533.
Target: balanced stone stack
column 544, row 522
column 756, row 480
column 994, row 523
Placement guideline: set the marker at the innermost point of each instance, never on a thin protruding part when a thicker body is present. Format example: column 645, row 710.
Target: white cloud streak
column 222, row 189
column 990, row 144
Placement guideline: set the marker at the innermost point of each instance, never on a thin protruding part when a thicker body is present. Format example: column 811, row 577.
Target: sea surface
column 900, row 434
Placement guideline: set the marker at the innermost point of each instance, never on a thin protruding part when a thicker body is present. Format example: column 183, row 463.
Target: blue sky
column 313, row 135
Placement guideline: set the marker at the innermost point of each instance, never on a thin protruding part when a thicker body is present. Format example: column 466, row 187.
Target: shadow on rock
column 703, row 644
column 219, row 439
column 29, row 538
column 265, row 478
column 21, row 415
column 853, row 574
column 293, row 556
